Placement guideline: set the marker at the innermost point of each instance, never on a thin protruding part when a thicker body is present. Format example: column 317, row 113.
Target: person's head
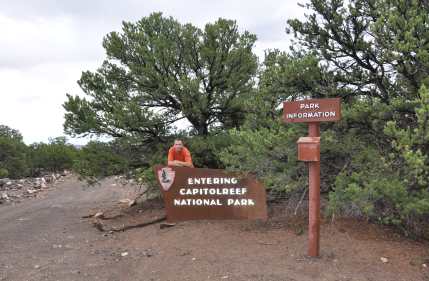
column 178, row 145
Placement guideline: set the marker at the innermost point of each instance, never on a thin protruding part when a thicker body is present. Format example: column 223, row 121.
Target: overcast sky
column 46, row 44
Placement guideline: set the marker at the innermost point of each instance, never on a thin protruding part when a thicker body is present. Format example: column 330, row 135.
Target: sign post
column 313, row 112
column 314, row 198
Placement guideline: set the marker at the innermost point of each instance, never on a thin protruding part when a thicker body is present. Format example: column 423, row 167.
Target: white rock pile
column 15, row 190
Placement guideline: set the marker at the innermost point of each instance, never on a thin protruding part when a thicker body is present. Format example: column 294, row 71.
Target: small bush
column 4, row 173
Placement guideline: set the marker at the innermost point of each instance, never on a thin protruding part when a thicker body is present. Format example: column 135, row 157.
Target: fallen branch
column 97, row 224
column 139, row 225
column 112, row 217
column 141, row 194
column 98, row 215
column 87, row 216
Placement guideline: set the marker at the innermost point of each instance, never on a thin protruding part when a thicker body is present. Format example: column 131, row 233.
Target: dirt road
column 45, row 238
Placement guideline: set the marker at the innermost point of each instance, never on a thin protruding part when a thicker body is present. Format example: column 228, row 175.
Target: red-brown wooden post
column 312, row 111
column 314, row 198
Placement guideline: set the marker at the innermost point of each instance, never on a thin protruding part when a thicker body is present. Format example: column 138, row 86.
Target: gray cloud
column 47, row 43
column 58, row 31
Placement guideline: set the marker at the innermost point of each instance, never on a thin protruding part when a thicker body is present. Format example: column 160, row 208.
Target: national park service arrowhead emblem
column 166, row 177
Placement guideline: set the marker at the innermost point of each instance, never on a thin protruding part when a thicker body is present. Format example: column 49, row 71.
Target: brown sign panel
column 313, row 110
column 191, row 194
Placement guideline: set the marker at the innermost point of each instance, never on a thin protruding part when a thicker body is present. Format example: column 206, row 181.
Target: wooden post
column 314, row 198
column 312, row 111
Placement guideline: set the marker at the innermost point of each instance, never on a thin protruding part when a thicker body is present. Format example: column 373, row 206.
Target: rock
column 125, row 201
column 98, row 225
column 8, row 183
column 50, row 178
column 31, row 191
column 166, row 225
column 40, row 183
column 185, row 253
column 149, row 253
column 4, row 196
column 124, row 254
column 131, row 203
column 384, row 260
column 424, row 265
column 37, row 183
column 99, row 215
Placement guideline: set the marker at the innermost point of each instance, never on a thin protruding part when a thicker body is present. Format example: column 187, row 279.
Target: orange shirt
column 184, row 155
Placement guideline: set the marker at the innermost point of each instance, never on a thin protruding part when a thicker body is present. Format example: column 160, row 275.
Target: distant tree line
column 18, row 160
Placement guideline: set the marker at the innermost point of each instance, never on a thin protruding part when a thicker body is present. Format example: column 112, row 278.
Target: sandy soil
column 45, row 238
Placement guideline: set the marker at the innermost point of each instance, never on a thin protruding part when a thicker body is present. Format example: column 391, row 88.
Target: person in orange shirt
column 178, row 155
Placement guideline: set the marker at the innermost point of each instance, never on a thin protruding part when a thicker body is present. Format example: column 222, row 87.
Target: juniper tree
column 159, row 71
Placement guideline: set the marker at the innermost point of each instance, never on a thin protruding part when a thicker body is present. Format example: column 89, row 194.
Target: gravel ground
column 45, row 238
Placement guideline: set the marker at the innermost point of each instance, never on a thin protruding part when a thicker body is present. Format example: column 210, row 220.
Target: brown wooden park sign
column 314, row 110
column 191, row 193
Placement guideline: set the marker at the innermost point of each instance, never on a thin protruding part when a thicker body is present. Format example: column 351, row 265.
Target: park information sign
column 315, row 110
column 312, row 111
column 191, row 193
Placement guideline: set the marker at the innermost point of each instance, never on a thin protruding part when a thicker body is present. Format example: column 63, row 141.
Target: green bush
column 13, row 154
column 389, row 183
column 270, row 154
column 97, row 160
column 206, row 150
column 4, row 173
column 54, row 156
